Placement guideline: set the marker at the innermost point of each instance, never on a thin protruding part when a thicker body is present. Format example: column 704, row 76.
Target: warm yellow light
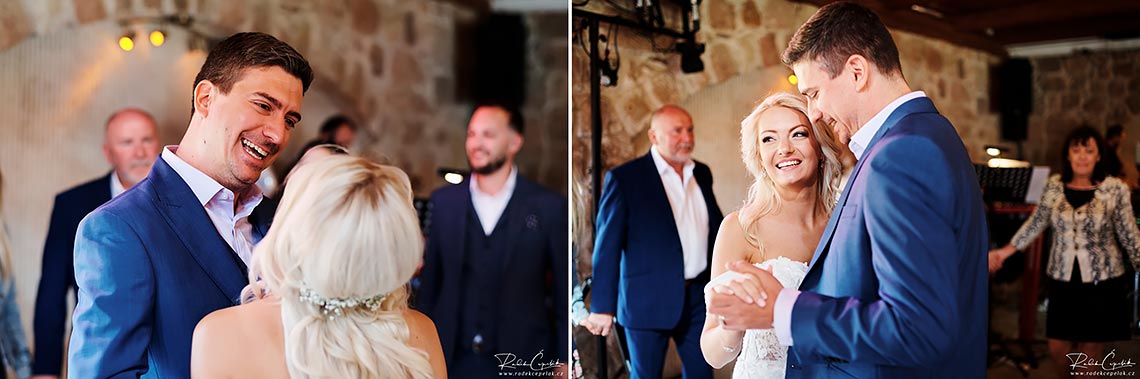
column 126, row 43
column 453, row 178
column 793, row 79
column 993, row 151
column 157, row 37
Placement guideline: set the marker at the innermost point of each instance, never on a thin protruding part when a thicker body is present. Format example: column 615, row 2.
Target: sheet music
column 1037, row 184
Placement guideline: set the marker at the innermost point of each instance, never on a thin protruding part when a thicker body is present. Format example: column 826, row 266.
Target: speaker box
column 1013, row 92
column 491, row 60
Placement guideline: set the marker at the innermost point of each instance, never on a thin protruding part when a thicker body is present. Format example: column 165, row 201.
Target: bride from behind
column 798, row 170
column 332, row 297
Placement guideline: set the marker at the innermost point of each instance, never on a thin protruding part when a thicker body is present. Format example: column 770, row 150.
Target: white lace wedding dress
column 761, row 355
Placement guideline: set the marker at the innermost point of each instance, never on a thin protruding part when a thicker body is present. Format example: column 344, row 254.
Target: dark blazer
column 57, row 277
column 149, row 265
column 532, row 308
column 898, row 285
column 638, row 263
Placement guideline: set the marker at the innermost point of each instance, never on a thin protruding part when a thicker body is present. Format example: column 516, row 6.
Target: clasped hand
column 746, row 301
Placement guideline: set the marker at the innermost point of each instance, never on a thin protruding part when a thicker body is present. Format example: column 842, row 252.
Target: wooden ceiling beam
column 1095, row 27
column 1041, row 12
column 926, row 25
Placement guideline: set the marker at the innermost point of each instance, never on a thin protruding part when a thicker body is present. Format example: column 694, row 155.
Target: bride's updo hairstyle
column 344, row 244
column 762, row 196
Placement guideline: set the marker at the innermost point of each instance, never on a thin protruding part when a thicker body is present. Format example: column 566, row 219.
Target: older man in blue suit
column 898, row 284
column 130, row 143
column 151, row 263
column 656, row 225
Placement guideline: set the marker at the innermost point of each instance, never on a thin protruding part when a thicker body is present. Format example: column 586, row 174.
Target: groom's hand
column 598, row 323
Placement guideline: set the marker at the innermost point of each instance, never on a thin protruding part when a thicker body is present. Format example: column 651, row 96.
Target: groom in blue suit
column 656, row 225
column 151, row 263
column 897, row 287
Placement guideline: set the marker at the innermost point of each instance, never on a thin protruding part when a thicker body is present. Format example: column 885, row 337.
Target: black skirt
column 1088, row 312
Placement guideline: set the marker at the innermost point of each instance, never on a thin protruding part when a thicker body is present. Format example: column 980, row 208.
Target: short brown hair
column 839, row 30
column 227, row 61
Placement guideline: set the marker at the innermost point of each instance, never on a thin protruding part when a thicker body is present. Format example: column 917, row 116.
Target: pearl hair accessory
column 334, row 307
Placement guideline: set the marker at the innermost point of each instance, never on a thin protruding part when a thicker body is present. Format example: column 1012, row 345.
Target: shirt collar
column 203, row 186
column 116, row 186
column 663, row 166
column 863, row 136
column 508, row 187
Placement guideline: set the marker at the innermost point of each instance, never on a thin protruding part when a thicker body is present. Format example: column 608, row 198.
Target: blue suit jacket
column 898, row 285
column 638, row 263
column 149, row 265
column 532, row 296
column 57, row 276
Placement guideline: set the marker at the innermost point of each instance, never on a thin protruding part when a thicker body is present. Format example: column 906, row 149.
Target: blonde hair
column 762, row 196
column 345, row 229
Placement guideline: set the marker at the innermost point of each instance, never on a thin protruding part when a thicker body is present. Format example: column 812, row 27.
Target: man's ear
column 515, row 144
column 859, row 68
column 204, row 93
column 652, row 136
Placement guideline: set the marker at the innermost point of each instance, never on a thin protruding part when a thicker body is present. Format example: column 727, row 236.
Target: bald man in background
column 656, row 224
column 130, row 144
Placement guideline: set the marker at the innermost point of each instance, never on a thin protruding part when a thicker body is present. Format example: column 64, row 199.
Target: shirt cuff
column 782, row 315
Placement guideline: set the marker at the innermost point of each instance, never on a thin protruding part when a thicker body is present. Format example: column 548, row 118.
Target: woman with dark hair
column 1090, row 213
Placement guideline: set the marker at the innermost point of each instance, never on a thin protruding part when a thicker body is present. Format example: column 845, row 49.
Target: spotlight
column 157, row 37
column 451, row 175
column 793, row 79
column 126, row 41
column 691, row 56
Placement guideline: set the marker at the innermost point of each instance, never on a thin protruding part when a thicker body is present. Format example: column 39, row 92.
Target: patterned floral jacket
column 1093, row 234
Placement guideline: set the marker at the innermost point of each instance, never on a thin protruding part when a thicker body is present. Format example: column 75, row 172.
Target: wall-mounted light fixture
column 157, row 37
column 127, row 40
column 451, row 175
column 995, row 151
column 793, row 79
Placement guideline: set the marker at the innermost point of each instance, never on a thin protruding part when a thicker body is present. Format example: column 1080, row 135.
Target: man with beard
column 656, row 225
column 151, row 263
column 130, row 143
column 494, row 276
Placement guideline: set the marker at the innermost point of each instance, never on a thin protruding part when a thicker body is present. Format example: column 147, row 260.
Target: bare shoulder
column 421, row 329
column 223, row 339
column 731, row 233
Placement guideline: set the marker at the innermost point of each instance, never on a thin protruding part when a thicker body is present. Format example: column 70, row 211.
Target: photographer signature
column 510, row 361
column 1081, row 360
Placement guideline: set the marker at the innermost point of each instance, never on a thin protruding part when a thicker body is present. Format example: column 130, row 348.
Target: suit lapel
column 656, row 195
column 918, row 105
column 517, row 211
column 197, row 233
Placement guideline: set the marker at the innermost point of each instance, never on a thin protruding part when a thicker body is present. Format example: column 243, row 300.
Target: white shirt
column 863, row 136
column 689, row 212
column 490, row 207
column 234, row 227
column 116, row 186
column 786, row 299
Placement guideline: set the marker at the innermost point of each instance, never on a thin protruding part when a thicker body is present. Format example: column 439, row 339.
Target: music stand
column 1009, row 190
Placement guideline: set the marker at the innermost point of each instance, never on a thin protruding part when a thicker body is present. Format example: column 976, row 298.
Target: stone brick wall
column 1098, row 89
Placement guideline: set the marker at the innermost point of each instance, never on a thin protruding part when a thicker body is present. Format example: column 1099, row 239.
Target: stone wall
column 1098, row 89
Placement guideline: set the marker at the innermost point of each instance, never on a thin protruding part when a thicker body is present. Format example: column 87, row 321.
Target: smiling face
column 789, row 151
column 1083, row 156
column 830, row 100
column 491, row 142
column 246, row 129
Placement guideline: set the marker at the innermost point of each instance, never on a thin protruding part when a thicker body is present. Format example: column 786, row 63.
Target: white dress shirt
column 116, row 186
column 689, row 212
column 786, row 299
column 490, row 207
column 234, row 227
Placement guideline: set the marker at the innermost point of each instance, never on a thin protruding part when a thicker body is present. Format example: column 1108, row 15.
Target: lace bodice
column 761, row 355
